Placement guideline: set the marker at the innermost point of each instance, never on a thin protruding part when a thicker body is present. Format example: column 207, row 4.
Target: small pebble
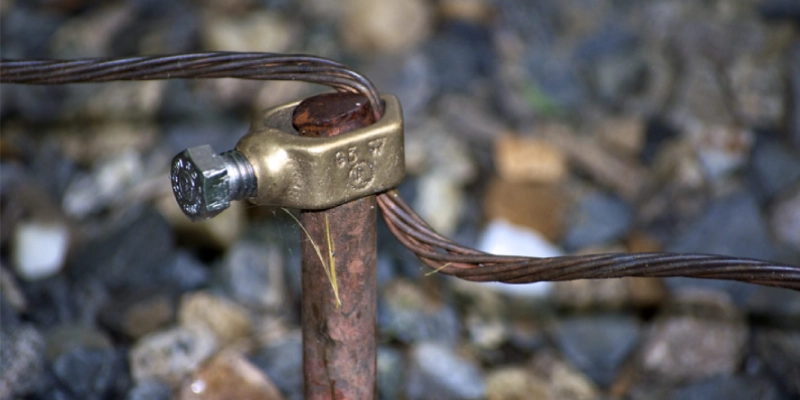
column 623, row 176
column 529, row 160
column 646, row 292
column 139, row 313
column 774, row 168
column 11, row 291
column 390, row 373
column 730, row 388
column 437, row 372
column 90, row 34
column 116, row 255
column 228, row 321
column 439, row 202
column 63, row 338
column 690, row 347
column 785, row 219
column 587, row 294
column 500, row 237
column 90, row 374
column 758, row 86
column 22, row 361
column 407, row 313
column 263, row 31
column 440, row 196
column 282, row 361
column 40, row 249
column 87, row 144
column 171, row 355
column 598, row 345
column 721, row 149
column 597, row 219
column 732, row 226
column 625, row 135
column 486, row 332
column 228, row 376
column 149, row 389
column 565, row 382
column 515, row 383
column 462, row 53
column 253, row 274
column 780, row 353
column 538, row 207
column 116, row 100
column 187, row 272
column 393, row 26
column 466, row 10
column 108, row 181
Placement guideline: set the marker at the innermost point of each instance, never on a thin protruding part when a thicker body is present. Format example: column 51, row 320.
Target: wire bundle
column 435, row 250
column 261, row 66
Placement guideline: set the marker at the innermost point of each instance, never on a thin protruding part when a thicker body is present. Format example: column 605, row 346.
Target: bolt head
column 200, row 182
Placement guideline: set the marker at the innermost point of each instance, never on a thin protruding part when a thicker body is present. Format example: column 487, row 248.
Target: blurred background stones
column 532, row 127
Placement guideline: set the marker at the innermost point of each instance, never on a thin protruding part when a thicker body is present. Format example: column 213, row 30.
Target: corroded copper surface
column 339, row 351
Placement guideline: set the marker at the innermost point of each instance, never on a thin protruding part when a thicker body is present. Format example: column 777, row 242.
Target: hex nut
column 200, row 182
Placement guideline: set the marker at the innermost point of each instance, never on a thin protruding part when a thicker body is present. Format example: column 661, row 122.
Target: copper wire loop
column 436, row 251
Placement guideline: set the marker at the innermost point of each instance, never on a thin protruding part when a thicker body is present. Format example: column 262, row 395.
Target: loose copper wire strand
column 438, row 252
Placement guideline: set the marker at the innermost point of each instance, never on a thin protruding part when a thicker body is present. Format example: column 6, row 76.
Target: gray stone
column 53, row 301
column 409, row 77
column 597, row 219
column 139, row 312
column 150, row 389
column 90, row 373
column 516, row 383
column 780, row 353
column 171, row 355
column 785, row 218
column 794, row 113
column 557, row 84
column 226, row 319
column 730, row 388
column 282, row 361
column 408, row 314
column 391, row 371
column 598, row 345
column 731, row 226
column 90, row 193
column 12, row 299
column 135, row 252
column 703, row 336
column 773, row 168
column 437, row 372
column 22, row 361
column 461, row 54
column 187, row 271
column 619, row 76
column 393, row 27
column 253, row 274
column 64, row 338
column 771, row 303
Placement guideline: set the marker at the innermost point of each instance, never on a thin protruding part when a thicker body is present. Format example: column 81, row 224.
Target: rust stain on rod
column 339, row 349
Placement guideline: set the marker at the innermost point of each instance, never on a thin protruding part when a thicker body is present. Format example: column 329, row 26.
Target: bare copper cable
column 434, row 250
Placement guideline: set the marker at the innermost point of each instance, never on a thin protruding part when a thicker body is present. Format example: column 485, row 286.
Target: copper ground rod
column 339, row 349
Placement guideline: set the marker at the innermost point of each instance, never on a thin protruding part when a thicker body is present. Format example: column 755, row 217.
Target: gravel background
column 536, row 127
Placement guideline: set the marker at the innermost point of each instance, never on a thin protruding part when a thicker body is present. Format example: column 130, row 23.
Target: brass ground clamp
column 273, row 165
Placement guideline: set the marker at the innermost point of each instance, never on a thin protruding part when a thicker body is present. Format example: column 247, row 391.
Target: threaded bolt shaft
column 242, row 181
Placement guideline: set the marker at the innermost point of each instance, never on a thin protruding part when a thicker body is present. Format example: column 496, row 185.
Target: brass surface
column 319, row 173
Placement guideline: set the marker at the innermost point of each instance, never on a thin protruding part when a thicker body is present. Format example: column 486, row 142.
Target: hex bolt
column 204, row 183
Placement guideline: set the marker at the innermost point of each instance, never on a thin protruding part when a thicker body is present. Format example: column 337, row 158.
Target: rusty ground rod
column 339, row 268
